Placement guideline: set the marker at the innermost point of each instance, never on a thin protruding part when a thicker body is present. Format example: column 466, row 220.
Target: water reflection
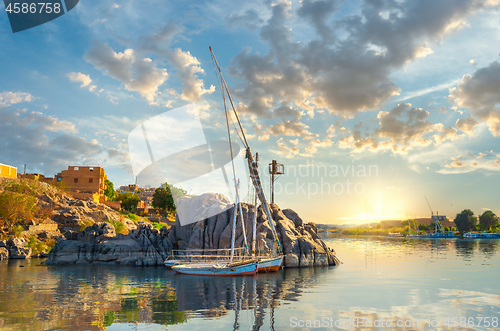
column 371, row 247
column 36, row 297
column 466, row 248
column 386, row 278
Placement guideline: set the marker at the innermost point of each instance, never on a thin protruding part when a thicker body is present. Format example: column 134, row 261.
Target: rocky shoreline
column 15, row 248
column 146, row 245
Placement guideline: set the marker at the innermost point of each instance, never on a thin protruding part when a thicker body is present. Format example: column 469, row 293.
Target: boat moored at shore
column 245, row 268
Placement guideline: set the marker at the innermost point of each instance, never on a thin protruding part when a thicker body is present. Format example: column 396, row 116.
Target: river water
column 383, row 284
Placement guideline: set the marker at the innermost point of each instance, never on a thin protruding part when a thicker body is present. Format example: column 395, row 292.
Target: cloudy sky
column 371, row 105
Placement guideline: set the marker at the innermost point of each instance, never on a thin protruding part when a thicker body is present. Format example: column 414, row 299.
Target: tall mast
column 252, row 165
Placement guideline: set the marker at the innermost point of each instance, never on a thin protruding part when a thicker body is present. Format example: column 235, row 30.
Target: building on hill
column 8, row 171
column 146, row 196
column 84, row 182
column 38, row 177
column 128, row 188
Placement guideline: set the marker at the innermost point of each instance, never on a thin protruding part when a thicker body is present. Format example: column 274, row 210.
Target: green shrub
column 49, row 244
column 36, row 245
column 119, row 226
column 159, row 225
column 133, row 217
column 15, row 209
column 17, row 230
column 85, row 224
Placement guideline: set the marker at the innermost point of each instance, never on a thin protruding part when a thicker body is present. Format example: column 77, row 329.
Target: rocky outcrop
column 4, row 253
column 98, row 243
column 14, row 248
column 146, row 245
column 70, row 213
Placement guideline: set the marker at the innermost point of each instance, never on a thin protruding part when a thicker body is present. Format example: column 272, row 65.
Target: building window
column 76, row 180
column 58, row 179
column 75, row 168
column 91, row 180
column 91, row 169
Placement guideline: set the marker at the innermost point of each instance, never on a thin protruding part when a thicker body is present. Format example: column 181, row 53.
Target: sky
column 372, row 106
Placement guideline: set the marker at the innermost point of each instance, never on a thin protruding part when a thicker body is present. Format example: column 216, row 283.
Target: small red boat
column 269, row 264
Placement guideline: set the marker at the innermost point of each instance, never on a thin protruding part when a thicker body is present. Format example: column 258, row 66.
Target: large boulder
column 16, row 252
column 293, row 216
column 98, row 244
column 17, row 248
column 16, row 241
column 4, row 253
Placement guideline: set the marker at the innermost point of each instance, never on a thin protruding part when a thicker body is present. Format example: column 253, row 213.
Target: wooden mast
column 252, row 165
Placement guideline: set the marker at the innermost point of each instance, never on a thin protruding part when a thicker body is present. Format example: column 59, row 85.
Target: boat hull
column 270, row 264
column 216, row 270
column 172, row 263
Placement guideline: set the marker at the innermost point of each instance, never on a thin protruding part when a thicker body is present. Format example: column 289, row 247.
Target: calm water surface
column 389, row 279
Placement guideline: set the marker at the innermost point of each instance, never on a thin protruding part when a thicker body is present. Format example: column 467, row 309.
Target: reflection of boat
column 232, row 269
column 481, row 235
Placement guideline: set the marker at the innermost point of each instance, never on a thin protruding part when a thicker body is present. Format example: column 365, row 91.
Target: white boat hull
column 269, row 264
column 235, row 269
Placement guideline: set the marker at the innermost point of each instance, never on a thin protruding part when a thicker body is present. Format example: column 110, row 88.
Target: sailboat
column 265, row 263
column 256, row 263
column 413, row 229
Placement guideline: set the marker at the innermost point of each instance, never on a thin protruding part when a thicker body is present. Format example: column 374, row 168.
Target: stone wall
column 116, row 205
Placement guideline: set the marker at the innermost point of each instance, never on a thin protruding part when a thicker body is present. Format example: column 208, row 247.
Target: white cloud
column 9, row 98
column 78, row 77
column 188, row 69
column 467, row 124
column 480, row 92
column 400, row 129
column 348, row 68
column 46, row 144
column 134, row 72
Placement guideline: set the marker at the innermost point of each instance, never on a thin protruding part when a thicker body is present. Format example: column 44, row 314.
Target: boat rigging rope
column 254, row 174
column 237, row 202
column 222, row 84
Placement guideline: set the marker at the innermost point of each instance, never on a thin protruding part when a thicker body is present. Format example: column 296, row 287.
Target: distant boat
column 395, row 234
column 413, row 231
column 442, row 235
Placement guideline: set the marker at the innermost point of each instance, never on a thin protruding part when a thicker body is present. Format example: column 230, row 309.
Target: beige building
column 83, row 179
column 8, row 171
column 38, row 177
column 83, row 182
